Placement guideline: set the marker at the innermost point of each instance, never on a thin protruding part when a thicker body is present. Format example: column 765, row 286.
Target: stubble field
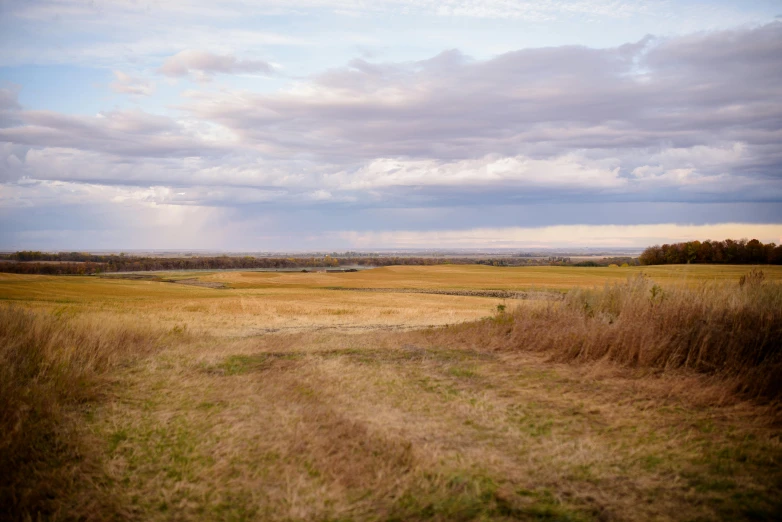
column 344, row 396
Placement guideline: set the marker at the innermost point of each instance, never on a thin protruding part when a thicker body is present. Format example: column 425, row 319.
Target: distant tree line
column 524, row 260
column 77, row 263
column 730, row 251
column 80, row 263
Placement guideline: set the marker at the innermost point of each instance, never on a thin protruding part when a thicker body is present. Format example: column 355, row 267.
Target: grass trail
column 389, row 427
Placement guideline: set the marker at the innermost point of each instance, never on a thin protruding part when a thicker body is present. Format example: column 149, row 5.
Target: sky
column 307, row 125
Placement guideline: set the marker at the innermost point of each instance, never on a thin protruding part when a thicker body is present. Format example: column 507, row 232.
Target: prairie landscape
column 390, row 260
column 397, row 393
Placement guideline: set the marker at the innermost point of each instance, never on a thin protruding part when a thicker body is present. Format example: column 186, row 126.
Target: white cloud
column 202, row 65
column 524, row 103
column 532, row 10
column 702, row 156
column 124, row 133
column 127, row 84
column 568, row 170
column 29, row 193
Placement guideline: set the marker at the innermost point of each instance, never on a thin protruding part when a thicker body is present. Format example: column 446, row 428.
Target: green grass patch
column 468, row 496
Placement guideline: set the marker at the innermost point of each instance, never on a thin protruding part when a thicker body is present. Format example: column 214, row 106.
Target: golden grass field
column 261, row 302
column 485, row 277
column 287, row 396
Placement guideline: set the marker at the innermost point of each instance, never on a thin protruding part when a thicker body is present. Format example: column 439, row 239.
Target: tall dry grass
column 49, row 366
column 727, row 330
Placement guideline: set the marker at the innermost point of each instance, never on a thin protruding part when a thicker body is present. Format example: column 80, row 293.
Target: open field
column 260, row 302
column 486, row 277
column 238, row 311
column 252, row 402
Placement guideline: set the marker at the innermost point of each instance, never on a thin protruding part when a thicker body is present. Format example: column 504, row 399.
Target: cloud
column 125, row 134
column 696, row 119
column 123, row 34
column 9, row 107
column 519, row 9
column 126, row 84
column 62, row 215
column 711, row 90
column 203, row 65
column 8, row 100
column 657, row 128
column 564, row 171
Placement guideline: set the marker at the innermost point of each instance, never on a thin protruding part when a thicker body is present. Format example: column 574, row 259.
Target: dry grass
column 486, row 277
column 111, row 410
column 237, row 312
column 727, row 330
column 49, row 366
column 264, row 302
column 388, row 426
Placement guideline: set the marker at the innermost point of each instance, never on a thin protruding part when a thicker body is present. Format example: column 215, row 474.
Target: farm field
column 316, row 396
